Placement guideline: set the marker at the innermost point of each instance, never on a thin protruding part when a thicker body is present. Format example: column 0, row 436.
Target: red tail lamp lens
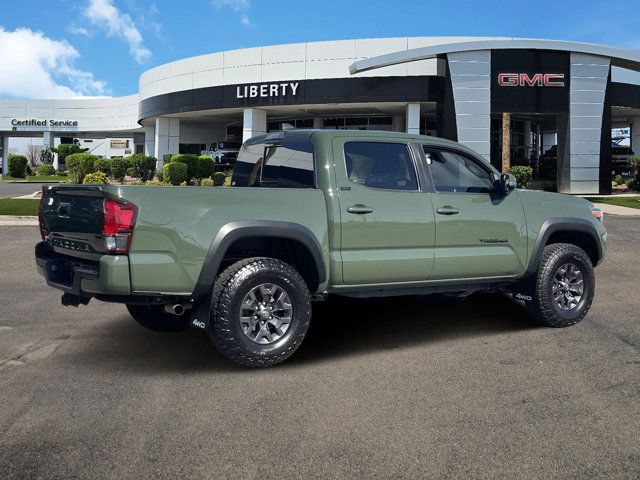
column 43, row 227
column 119, row 220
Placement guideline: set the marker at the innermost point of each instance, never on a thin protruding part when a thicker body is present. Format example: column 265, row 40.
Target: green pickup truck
column 313, row 213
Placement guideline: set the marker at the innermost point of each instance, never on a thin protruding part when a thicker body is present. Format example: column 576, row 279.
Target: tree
column 65, row 150
column 33, row 154
column 506, row 142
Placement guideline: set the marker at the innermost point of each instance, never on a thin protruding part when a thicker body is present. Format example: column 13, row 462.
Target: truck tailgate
column 72, row 219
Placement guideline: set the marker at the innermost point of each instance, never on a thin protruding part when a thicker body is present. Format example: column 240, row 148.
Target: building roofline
column 620, row 57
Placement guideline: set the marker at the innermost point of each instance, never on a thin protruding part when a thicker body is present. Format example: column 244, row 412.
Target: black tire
column 225, row 328
column 543, row 308
column 155, row 318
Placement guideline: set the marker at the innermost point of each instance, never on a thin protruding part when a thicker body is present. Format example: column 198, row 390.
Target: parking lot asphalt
column 15, row 189
column 386, row 388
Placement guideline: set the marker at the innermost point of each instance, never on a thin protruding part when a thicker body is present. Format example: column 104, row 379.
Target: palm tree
column 506, row 142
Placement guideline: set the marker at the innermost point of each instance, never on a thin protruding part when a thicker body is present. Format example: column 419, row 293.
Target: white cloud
column 235, row 5
column 103, row 14
column 78, row 30
column 35, row 66
column 238, row 6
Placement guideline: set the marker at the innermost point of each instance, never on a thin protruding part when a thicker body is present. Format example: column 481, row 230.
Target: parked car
column 224, row 153
column 313, row 213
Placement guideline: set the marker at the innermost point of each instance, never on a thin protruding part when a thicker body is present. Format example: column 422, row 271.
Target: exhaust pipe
column 177, row 309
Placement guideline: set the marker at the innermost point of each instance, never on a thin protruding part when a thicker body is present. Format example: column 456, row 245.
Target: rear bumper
column 84, row 278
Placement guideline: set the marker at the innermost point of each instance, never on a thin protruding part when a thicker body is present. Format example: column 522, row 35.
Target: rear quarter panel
column 176, row 226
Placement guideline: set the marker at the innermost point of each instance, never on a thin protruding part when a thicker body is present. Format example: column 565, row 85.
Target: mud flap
column 524, row 290
column 200, row 313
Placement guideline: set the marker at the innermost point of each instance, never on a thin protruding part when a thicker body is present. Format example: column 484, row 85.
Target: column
column 413, row 118
column 397, row 123
column 166, row 138
column 589, row 77
column 48, row 142
column 634, row 123
column 471, row 85
column 254, row 123
column 527, row 139
column 5, row 155
column 150, row 141
column 317, row 123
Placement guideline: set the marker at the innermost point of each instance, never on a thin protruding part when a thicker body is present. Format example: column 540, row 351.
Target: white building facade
column 563, row 98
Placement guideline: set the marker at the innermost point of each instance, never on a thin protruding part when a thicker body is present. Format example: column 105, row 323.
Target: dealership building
column 564, row 99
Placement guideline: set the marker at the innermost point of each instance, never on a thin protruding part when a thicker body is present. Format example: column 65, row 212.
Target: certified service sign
column 33, row 122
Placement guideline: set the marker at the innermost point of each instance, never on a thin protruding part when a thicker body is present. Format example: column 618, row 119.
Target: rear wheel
column 260, row 312
column 155, row 318
column 564, row 288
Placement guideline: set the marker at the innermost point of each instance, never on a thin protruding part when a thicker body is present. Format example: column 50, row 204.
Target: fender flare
column 236, row 230
column 557, row 224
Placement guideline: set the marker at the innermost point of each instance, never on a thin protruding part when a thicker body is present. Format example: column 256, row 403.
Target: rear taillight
column 43, row 227
column 119, row 220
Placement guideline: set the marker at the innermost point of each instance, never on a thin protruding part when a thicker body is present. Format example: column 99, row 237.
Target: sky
column 67, row 49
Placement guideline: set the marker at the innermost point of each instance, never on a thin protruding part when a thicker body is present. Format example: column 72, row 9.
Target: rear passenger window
column 380, row 165
column 248, row 168
column 289, row 164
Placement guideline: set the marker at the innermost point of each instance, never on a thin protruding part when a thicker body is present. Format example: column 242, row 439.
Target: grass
column 631, row 202
column 39, row 178
column 10, row 206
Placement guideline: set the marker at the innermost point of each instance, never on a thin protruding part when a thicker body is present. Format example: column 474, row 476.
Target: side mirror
column 508, row 183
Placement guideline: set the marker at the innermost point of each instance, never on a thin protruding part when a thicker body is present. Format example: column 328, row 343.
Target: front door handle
column 447, row 210
column 359, row 209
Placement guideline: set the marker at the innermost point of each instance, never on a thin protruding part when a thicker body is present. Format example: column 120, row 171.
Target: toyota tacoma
column 313, row 213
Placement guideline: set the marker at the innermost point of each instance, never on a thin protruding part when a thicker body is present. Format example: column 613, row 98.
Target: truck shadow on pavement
column 340, row 327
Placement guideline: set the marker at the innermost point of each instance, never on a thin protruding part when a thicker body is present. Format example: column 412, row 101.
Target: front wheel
column 260, row 312
column 155, row 318
column 564, row 287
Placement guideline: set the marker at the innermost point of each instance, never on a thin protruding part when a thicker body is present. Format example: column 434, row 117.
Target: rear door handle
column 447, row 210
column 359, row 209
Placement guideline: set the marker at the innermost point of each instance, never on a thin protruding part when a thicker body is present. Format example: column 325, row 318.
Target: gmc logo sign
column 537, row 80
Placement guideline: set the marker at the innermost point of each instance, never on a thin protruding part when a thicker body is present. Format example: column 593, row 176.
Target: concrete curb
column 617, row 210
column 14, row 220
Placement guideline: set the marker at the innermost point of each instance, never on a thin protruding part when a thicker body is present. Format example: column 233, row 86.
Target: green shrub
column 155, row 183
column 523, row 175
column 205, row 166
column 98, row 178
column 79, row 165
column 29, row 171
column 102, row 165
column 46, row 169
column 218, row 178
column 175, row 173
column 206, row 182
column 17, row 166
column 119, row 168
column 143, row 167
column 617, row 179
column 159, row 175
column 190, row 160
column 184, row 184
column 166, row 158
column 632, row 184
column 65, row 150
